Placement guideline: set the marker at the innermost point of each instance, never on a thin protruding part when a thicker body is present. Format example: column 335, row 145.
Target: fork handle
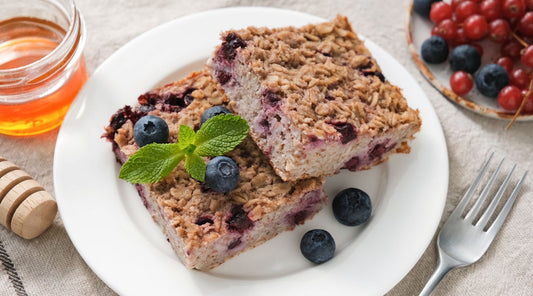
column 445, row 264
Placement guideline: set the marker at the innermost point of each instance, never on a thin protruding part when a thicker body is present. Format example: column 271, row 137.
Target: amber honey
column 41, row 71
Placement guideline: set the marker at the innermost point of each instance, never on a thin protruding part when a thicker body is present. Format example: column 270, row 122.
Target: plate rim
column 124, row 48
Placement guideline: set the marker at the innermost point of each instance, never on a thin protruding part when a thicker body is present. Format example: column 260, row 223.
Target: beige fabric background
column 50, row 265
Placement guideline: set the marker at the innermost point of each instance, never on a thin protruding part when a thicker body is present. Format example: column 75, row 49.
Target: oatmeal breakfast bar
column 315, row 98
column 205, row 227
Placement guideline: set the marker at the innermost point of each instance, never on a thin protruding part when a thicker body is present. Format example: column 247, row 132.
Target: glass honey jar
column 42, row 67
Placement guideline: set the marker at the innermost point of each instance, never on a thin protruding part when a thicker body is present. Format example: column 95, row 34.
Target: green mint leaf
column 186, row 136
column 189, row 149
column 220, row 134
column 195, row 166
column 151, row 163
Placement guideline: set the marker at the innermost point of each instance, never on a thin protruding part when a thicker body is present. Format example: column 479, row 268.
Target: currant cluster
column 460, row 25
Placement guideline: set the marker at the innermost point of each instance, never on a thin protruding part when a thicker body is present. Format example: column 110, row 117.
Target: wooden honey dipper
column 25, row 207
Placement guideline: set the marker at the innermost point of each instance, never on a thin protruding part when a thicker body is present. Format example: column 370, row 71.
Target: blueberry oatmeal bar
column 205, row 227
column 315, row 98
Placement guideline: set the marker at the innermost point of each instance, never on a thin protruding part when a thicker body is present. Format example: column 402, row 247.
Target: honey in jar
column 41, row 69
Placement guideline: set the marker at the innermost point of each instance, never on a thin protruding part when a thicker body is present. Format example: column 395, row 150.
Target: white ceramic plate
column 112, row 231
column 418, row 30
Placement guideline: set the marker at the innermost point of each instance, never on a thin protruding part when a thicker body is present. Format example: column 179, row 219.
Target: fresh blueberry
column 222, row 174
column 150, row 129
column 491, row 79
column 435, row 50
column 465, row 58
column 423, row 7
column 352, row 207
column 317, row 246
column 212, row 112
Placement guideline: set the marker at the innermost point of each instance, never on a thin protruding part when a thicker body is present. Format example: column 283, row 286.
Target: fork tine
column 483, row 196
column 498, row 222
column 492, row 206
column 470, row 192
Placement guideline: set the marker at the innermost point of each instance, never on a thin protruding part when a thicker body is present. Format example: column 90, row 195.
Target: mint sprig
column 217, row 136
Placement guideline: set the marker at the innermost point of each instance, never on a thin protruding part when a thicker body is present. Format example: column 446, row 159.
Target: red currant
column 455, row 3
column 520, row 78
column 511, row 49
column 435, row 31
column 528, row 106
column 506, row 62
column 510, row 98
column 529, row 4
column 490, row 9
column 440, row 11
column 466, row 9
column 525, row 25
column 527, row 56
column 476, row 27
column 461, row 82
column 499, row 31
column 513, row 8
column 460, row 37
column 446, row 29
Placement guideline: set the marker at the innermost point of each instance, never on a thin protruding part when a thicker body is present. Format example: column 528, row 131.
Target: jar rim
column 59, row 52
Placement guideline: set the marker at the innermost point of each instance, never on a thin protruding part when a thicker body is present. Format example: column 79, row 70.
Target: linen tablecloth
column 50, row 265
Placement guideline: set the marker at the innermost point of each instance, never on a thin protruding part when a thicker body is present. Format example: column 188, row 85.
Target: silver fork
column 462, row 242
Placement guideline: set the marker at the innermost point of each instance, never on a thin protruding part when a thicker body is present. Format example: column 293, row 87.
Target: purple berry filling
column 313, row 138
column 230, row 45
column 224, row 57
column 265, row 124
column 142, row 194
column 271, row 98
column 238, row 220
column 353, row 164
column 234, row 243
column 375, row 73
column 306, row 208
column 223, row 77
column 329, row 97
column 366, row 66
column 376, row 153
column 120, row 117
column 201, row 220
column 300, row 217
column 346, row 130
column 170, row 102
column 379, row 150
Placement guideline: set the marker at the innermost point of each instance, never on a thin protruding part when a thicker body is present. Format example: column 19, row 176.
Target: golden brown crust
column 314, row 96
column 183, row 200
column 324, row 73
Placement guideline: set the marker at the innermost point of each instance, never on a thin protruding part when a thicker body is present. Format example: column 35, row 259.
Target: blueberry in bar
column 315, row 98
column 206, row 227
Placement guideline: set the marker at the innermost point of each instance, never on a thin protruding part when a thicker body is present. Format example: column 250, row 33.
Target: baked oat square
column 315, row 98
column 204, row 227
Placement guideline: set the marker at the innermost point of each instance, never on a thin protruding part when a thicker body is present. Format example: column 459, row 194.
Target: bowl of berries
column 477, row 53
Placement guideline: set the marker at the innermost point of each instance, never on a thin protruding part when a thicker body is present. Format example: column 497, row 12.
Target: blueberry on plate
column 465, row 58
column 317, row 246
column 352, row 207
column 212, row 112
column 491, row 79
column 423, row 7
column 150, row 129
column 222, row 174
column 434, row 50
